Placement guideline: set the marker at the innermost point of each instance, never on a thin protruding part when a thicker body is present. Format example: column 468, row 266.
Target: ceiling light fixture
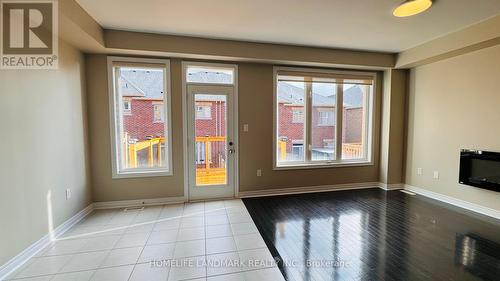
column 411, row 7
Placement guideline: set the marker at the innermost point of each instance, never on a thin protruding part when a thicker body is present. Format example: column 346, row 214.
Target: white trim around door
column 185, row 122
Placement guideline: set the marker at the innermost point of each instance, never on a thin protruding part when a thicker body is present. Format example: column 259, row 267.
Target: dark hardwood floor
column 376, row 235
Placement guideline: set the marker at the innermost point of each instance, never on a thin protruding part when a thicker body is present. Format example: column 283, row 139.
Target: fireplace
column 480, row 169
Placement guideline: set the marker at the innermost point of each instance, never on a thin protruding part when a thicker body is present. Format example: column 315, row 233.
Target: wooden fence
column 153, row 158
column 213, row 170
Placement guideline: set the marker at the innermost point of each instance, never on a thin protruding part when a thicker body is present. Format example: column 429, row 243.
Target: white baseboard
column 454, row 201
column 391, row 186
column 140, row 202
column 307, row 189
column 39, row 245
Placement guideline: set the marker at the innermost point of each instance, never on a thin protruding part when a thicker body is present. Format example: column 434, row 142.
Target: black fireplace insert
column 480, row 169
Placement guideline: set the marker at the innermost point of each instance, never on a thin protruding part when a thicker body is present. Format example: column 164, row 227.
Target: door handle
column 231, row 151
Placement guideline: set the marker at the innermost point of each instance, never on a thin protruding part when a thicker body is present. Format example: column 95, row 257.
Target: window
column 142, row 141
column 158, row 112
column 325, row 117
column 203, row 111
column 328, row 143
column 310, row 129
column 298, row 115
column 127, row 106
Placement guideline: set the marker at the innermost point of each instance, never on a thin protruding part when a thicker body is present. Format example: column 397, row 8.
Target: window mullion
column 339, row 111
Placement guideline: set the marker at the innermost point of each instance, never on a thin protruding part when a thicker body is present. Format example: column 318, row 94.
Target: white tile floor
column 211, row 241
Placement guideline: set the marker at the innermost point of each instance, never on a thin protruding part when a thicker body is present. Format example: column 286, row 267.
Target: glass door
column 210, row 144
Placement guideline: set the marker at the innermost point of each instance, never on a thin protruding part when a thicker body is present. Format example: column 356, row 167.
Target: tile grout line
column 205, row 232
column 93, row 274
column 144, row 246
column 176, row 236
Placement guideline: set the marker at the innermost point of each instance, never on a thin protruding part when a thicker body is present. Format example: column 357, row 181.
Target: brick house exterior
column 294, row 132
column 210, row 120
column 211, row 126
column 353, row 125
column 139, row 123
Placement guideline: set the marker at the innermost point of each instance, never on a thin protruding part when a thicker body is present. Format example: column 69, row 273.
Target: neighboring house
column 142, row 104
column 143, row 111
column 210, row 120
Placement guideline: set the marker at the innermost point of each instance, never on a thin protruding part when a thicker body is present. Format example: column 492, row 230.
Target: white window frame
column 338, row 162
column 116, row 107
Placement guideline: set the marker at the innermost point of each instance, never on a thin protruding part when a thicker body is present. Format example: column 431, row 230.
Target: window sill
column 322, row 165
column 142, row 174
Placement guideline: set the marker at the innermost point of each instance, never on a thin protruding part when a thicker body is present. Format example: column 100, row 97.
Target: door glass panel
column 211, row 134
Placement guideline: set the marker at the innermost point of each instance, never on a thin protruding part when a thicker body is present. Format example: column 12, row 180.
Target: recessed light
column 411, row 7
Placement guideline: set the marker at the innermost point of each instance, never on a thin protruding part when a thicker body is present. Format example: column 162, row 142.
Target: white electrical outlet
column 68, row 193
column 436, row 175
column 259, row 173
column 420, row 171
column 245, row 127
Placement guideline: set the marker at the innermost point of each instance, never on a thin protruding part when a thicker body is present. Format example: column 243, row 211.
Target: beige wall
column 393, row 124
column 229, row 50
column 255, row 109
column 44, row 150
column 453, row 104
column 397, row 123
column 104, row 187
column 475, row 37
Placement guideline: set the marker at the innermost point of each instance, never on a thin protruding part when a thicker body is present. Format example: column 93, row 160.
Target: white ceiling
column 352, row 24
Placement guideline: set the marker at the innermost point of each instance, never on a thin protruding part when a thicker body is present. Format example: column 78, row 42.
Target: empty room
column 236, row 140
